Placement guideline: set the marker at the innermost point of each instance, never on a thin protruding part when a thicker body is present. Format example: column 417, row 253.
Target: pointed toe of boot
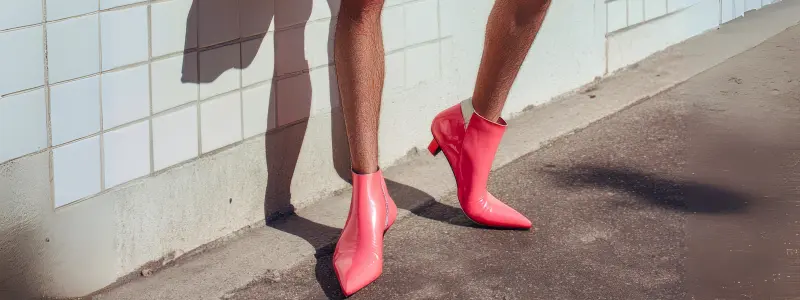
column 355, row 275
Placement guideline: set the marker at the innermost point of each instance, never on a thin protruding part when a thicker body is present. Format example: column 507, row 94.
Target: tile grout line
column 241, row 72
column 48, row 122
column 199, row 84
column 100, row 79
column 150, row 80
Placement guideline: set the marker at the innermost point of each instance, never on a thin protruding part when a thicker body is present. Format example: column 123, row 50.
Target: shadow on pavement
column 679, row 195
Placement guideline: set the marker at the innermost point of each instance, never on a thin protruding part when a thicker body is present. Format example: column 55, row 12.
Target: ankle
column 365, row 170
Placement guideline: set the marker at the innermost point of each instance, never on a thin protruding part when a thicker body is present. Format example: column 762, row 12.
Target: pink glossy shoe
column 358, row 258
column 470, row 148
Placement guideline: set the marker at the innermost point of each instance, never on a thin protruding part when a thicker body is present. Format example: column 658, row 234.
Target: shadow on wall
column 215, row 20
column 679, row 195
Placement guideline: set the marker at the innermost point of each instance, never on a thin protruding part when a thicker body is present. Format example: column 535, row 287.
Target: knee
column 359, row 10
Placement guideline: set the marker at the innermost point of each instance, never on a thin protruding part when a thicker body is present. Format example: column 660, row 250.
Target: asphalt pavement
column 691, row 194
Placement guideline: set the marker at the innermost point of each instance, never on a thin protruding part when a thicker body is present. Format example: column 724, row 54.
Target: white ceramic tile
column 174, row 81
column 258, row 58
column 290, row 48
column 324, row 90
column 422, row 64
column 256, row 17
column 75, row 109
column 422, row 21
column 617, row 15
column 73, row 48
column 219, row 70
column 124, row 36
column 318, row 44
column 173, row 30
column 448, row 17
column 256, row 107
column 221, row 122
column 174, row 137
column 674, row 5
column 752, row 4
column 23, row 124
column 16, row 13
column 218, row 21
column 21, row 59
column 61, row 9
column 654, row 8
column 738, row 8
column 293, row 98
column 395, row 71
column 106, row 4
column 126, row 153
column 393, row 26
column 726, row 8
column 126, row 96
column 635, row 11
column 76, row 170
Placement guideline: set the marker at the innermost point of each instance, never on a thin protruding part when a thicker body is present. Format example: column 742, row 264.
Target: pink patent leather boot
column 470, row 147
column 358, row 258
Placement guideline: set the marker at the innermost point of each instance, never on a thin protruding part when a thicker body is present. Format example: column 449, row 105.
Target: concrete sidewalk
column 622, row 208
column 692, row 194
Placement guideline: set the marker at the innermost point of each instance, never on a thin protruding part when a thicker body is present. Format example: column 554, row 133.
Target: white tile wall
column 635, row 11
column 16, row 13
column 21, row 59
column 421, row 21
column 738, row 8
column 675, row 5
column 318, row 38
column 76, row 170
column 260, row 53
column 221, row 122
column 395, row 71
column 727, row 11
column 324, row 90
column 220, row 70
column 752, row 4
column 75, row 109
column 23, row 124
column 126, row 153
column 218, row 21
column 393, row 24
column 423, row 65
column 198, row 100
column 174, row 137
column 60, row 9
column 256, row 107
column 106, row 4
column 126, row 96
column 124, row 37
column 617, row 15
column 174, row 81
column 654, row 9
column 73, row 48
column 170, row 26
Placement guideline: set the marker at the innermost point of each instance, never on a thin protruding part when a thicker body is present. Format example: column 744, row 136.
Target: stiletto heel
column 434, row 148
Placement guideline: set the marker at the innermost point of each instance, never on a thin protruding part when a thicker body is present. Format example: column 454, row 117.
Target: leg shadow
column 673, row 194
